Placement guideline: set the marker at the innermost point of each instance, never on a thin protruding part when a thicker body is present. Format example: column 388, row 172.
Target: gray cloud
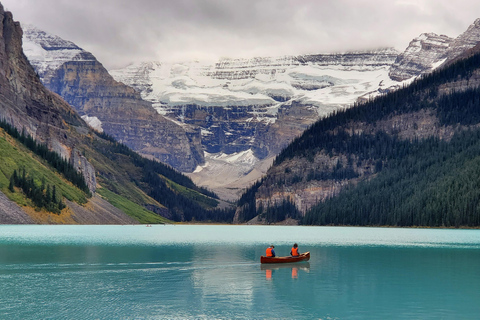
column 118, row 32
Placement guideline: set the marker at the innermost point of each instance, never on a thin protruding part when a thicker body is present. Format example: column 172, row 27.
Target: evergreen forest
column 176, row 192
column 52, row 158
column 123, row 174
column 414, row 182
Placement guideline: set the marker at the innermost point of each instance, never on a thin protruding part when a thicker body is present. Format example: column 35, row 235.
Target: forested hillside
column 429, row 183
column 407, row 158
column 146, row 190
column 180, row 198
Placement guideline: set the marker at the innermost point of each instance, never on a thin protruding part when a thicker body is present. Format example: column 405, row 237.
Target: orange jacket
column 269, row 252
column 294, row 252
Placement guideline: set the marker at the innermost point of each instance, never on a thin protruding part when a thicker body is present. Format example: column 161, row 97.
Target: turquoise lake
column 214, row 272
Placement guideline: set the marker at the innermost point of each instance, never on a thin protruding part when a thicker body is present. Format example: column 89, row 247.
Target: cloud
column 118, row 32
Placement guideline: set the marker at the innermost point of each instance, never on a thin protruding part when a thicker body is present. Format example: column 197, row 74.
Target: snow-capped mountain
column 247, row 110
column 465, row 41
column 257, row 104
column 422, row 55
column 429, row 51
column 47, row 52
column 318, row 80
column 108, row 105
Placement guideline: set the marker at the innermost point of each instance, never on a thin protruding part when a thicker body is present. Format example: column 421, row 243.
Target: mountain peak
column 48, row 52
column 429, row 51
column 27, row 105
column 118, row 109
column 421, row 56
column 465, row 41
column 46, row 40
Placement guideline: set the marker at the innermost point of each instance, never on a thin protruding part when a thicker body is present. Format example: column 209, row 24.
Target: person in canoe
column 294, row 252
column 270, row 252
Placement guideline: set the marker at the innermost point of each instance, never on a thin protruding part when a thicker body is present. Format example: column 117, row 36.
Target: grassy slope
column 117, row 173
column 203, row 200
column 13, row 155
column 119, row 170
column 131, row 208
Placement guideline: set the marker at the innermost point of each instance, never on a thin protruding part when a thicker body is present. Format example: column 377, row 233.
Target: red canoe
column 303, row 257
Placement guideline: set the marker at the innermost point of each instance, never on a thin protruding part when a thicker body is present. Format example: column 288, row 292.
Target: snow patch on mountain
column 229, row 174
column 465, row 41
column 243, row 161
column 322, row 81
column 422, row 55
column 48, row 52
column 236, row 102
column 93, row 122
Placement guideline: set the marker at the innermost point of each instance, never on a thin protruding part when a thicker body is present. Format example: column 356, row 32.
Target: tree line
column 436, row 184
column 278, row 211
column 457, row 107
column 401, row 194
column 51, row 157
column 152, row 165
column 43, row 196
column 153, row 180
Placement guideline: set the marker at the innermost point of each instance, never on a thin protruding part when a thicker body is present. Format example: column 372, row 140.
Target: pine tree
column 11, row 184
column 54, row 194
column 48, row 195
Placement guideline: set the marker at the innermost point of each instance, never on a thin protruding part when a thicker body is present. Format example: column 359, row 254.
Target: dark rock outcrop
column 82, row 165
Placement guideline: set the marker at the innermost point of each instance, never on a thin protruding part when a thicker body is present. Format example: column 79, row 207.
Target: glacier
column 256, row 106
column 247, row 110
column 260, row 81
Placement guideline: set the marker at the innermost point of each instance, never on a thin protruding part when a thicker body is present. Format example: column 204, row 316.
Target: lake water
column 213, row 272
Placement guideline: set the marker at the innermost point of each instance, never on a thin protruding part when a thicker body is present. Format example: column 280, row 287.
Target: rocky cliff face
column 116, row 108
column 249, row 109
column 242, row 112
column 429, row 51
column 464, row 42
column 24, row 101
column 421, row 56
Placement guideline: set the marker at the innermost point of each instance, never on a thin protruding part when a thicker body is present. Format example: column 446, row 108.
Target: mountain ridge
column 255, row 105
column 394, row 137
column 258, row 105
column 82, row 81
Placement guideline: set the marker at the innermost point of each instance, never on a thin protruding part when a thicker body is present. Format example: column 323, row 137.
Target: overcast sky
column 119, row 32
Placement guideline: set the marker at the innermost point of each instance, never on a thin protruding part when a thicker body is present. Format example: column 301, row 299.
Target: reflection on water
column 294, row 273
column 294, row 267
column 223, row 271
column 268, row 274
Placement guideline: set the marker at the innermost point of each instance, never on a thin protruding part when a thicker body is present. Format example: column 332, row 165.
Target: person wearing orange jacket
column 294, row 252
column 270, row 252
